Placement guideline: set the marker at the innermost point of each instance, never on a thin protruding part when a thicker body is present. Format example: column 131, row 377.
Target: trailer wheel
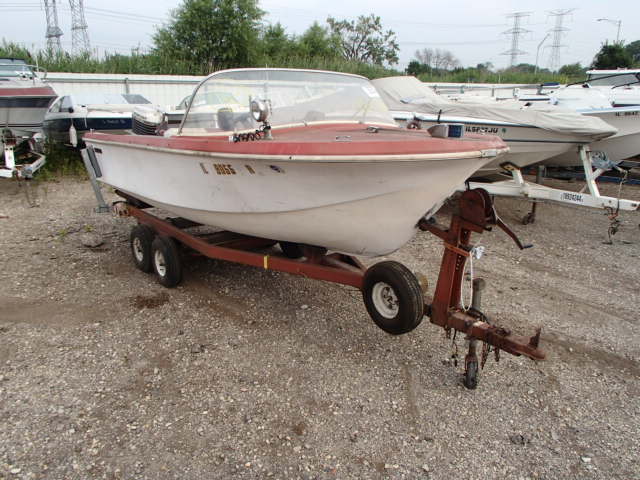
column 166, row 261
column 470, row 379
column 528, row 218
column 140, row 240
column 291, row 250
column 393, row 297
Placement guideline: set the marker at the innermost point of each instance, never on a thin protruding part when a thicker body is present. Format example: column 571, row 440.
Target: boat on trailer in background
column 621, row 85
column 314, row 162
column 71, row 116
column 532, row 136
column 24, row 99
column 536, row 132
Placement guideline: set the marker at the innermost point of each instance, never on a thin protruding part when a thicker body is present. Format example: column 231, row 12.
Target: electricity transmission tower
column 558, row 31
column 79, row 34
column 53, row 30
column 516, row 32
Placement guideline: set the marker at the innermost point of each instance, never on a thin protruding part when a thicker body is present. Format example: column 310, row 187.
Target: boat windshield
column 110, row 99
column 294, row 97
column 13, row 67
column 609, row 80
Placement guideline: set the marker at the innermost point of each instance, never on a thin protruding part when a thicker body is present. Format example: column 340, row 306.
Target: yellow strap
column 266, row 262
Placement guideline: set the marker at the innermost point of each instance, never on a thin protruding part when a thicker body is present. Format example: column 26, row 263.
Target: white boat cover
column 410, row 94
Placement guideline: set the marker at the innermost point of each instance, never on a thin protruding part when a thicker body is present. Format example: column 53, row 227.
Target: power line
column 516, row 32
column 482, row 42
column 123, row 14
column 111, row 18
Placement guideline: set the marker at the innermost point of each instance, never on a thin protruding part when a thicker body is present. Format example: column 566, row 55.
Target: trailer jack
column 476, row 213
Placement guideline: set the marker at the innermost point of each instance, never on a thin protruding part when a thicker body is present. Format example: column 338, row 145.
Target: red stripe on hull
column 28, row 92
column 318, row 140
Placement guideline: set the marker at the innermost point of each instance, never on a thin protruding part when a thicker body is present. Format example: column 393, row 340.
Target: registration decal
column 572, row 197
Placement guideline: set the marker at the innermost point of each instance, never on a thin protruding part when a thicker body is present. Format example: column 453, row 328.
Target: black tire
column 166, row 261
column 528, row 218
column 394, row 283
column 470, row 379
column 291, row 250
column 140, row 241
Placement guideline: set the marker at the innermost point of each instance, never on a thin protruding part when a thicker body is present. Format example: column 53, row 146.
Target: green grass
column 61, row 161
column 156, row 64
column 474, row 76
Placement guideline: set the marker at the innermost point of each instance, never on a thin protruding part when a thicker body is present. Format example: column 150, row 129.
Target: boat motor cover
column 410, row 94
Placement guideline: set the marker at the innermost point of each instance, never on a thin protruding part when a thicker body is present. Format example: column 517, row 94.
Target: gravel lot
column 246, row 373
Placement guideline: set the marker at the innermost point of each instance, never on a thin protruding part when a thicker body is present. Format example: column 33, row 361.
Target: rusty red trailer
column 393, row 296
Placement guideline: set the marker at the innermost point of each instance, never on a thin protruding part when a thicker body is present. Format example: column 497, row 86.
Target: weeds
column 61, row 161
column 62, row 234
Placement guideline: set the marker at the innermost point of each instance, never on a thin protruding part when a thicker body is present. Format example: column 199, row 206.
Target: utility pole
column 80, row 35
column 538, row 51
column 558, row 31
column 615, row 22
column 53, row 30
column 516, row 31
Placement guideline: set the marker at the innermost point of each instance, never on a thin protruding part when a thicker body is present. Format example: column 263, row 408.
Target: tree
column 316, row 41
column 425, row 56
column 612, row 56
column 365, row 40
column 523, row 67
column 275, row 43
column 484, row 67
column 416, row 68
column 633, row 49
column 437, row 59
column 572, row 70
column 211, row 34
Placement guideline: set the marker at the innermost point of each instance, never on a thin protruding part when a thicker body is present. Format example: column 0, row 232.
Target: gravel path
column 246, row 373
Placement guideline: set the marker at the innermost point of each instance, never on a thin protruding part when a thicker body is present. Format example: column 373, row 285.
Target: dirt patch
column 150, row 301
column 43, row 313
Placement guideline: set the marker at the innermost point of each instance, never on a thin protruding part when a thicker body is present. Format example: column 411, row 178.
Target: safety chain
column 454, row 347
column 486, row 348
column 612, row 213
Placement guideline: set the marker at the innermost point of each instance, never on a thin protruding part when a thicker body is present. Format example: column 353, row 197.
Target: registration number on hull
column 473, row 129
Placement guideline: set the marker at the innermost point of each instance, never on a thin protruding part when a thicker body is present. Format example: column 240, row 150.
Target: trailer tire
column 166, row 261
column 470, row 378
column 291, row 250
column 393, row 297
column 140, row 240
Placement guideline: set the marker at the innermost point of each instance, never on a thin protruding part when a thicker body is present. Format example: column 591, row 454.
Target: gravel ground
column 246, row 373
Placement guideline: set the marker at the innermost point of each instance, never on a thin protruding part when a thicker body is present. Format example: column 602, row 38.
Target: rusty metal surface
column 476, row 214
column 311, row 269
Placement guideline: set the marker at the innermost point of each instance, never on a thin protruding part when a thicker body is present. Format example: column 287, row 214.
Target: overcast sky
column 472, row 30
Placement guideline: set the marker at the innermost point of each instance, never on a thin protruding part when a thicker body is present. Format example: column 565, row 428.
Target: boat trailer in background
column 518, row 187
column 393, row 296
column 9, row 167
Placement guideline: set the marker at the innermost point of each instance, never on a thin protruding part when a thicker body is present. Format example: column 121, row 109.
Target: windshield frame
column 303, row 70
column 592, row 78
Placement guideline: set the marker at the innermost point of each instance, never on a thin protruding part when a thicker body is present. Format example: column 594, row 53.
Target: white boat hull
column 527, row 145
column 23, row 104
column 23, row 122
column 624, row 144
column 358, row 207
